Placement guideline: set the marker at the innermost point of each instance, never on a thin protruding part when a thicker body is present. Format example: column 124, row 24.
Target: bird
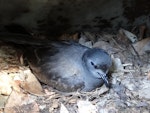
column 66, row 66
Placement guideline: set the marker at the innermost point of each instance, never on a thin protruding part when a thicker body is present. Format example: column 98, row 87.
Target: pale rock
column 86, row 107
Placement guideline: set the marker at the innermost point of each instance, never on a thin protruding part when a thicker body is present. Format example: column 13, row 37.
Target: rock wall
column 55, row 17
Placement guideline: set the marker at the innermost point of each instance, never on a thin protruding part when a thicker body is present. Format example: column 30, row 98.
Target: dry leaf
column 148, row 74
column 15, row 100
column 142, row 29
column 132, row 37
column 103, row 89
column 142, row 46
column 69, row 37
column 106, row 46
column 54, row 105
column 32, row 85
column 7, row 83
column 72, row 101
column 84, row 40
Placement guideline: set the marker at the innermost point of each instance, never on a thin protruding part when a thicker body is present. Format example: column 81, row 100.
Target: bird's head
column 97, row 62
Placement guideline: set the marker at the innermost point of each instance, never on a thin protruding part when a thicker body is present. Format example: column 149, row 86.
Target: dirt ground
column 129, row 78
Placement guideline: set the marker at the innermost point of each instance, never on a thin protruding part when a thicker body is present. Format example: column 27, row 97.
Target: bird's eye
column 95, row 66
column 92, row 63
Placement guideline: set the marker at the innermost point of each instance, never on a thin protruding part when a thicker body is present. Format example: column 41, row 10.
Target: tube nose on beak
column 105, row 79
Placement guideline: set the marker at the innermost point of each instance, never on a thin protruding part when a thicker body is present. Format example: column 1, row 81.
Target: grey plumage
column 67, row 66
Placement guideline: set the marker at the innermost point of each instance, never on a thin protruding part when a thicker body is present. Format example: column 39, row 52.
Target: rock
column 144, row 92
column 63, row 109
column 86, row 107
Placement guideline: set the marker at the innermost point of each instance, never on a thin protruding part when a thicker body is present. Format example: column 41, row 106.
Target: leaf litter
column 129, row 76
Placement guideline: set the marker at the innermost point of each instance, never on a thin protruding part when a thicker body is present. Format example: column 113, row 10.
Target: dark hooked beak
column 105, row 79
